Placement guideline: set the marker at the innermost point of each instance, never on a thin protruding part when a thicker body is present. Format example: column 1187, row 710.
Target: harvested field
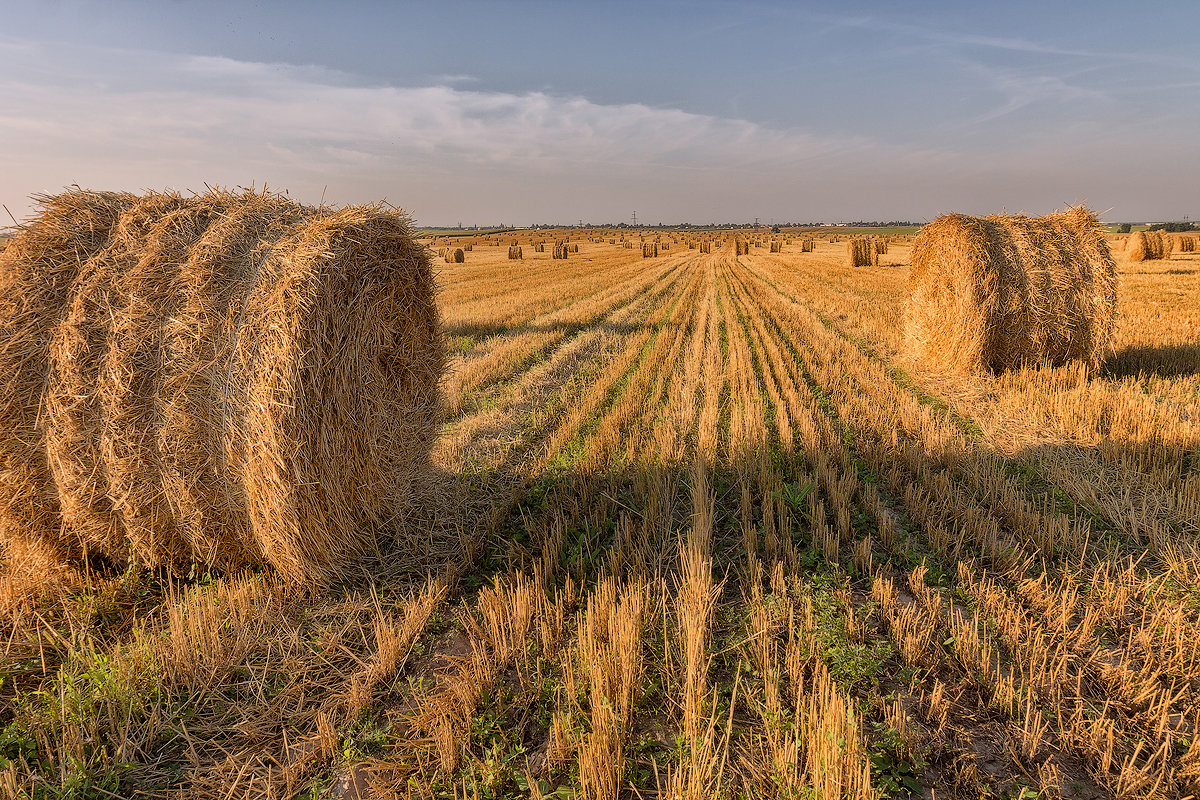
column 697, row 526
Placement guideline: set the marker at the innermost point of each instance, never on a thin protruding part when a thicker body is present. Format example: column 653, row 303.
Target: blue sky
column 489, row 112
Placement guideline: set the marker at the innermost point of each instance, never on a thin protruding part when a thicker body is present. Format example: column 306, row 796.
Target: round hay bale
column 1145, row 246
column 514, row 253
column 861, row 252
column 459, row 256
column 235, row 380
column 1000, row 292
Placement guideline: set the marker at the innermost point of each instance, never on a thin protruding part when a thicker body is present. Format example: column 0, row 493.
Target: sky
column 554, row 112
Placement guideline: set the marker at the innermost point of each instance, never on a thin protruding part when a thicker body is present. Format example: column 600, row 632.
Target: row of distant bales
column 861, row 251
column 235, row 380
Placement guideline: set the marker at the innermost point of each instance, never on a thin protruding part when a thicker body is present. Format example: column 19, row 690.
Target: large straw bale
column 860, row 252
column 1147, row 246
column 230, row 380
column 1004, row 291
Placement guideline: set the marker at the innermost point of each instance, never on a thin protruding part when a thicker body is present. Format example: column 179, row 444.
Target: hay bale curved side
column 38, row 269
column 1003, row 291
column 194, row 453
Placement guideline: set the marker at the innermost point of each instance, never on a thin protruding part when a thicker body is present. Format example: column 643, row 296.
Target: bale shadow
column 483, row 332
column 1163, row 361
column 477, row 526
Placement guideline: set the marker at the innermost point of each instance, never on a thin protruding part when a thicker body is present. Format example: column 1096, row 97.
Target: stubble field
column 697, row 527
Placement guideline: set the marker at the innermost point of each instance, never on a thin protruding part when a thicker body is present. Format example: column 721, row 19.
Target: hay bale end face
column 1001, row 292
column 265, row 390
column 1146, row 246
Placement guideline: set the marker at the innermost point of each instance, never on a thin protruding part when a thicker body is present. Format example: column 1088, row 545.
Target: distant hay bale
column 227, row 380
column 776, row 246
column 628, row 245
column 741, row 247
column 574, row 248
column 560, row 250
column 999, row 292
column 807, row 244
column 881, row 247
column 650, row 250
column 514, row 253
column 458, row 257
column 860, row 252
column 1187, row 244
column 1145, row 246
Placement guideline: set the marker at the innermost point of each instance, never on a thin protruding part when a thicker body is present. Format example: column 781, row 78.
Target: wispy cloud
column 1021, row 89
column 167, row 118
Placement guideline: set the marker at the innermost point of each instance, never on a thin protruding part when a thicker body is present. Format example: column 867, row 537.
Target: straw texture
column 230, row 379
column 861, row 253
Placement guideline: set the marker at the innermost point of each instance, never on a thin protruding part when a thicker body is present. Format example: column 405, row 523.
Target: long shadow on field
column 1168, row 361
column 564, row 521
column 477, row 331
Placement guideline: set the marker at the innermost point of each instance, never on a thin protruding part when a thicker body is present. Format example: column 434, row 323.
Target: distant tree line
column 1168, row 227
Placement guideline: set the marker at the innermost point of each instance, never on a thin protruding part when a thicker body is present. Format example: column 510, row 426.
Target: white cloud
column 147, row 119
